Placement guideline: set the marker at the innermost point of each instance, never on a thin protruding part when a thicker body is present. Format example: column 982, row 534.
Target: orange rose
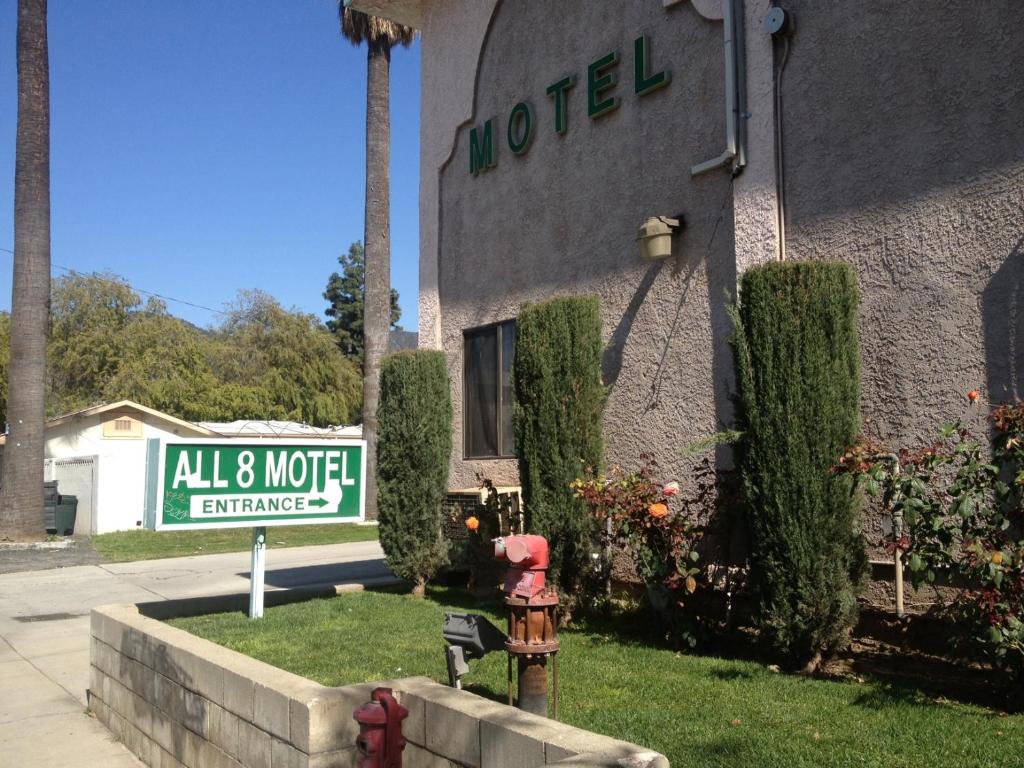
column 658, row 510
column 973, row 395
column 472, row 523
column 997, row 558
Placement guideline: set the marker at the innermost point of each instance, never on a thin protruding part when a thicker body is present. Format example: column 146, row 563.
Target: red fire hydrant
column 380, row 741
column 529, row 558
column 532, row 620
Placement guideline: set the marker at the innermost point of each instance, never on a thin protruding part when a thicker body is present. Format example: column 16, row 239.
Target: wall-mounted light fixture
column 655, row 237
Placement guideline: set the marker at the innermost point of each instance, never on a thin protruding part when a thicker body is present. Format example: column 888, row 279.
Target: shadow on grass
column 905, row 680
column 887, row 696
column 486, row 693
column 731, row 674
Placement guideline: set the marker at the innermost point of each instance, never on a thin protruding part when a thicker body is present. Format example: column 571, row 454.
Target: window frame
column 466, row 333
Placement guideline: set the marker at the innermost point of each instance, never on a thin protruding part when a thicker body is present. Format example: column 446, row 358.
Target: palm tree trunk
column 21, row 496
column 377, row 237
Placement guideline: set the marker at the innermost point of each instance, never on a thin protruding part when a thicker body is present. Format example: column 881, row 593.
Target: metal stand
column 256, row 571
column 532, row 639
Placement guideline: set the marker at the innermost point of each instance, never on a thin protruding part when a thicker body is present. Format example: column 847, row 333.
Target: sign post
column 257, row 571
column 240, row 484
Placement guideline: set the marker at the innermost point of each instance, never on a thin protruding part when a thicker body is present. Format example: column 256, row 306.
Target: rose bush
column 635, row 516
column 961, row 512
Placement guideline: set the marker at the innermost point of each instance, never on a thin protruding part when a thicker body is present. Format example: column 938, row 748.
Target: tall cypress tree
column 559, row 403
column 798, row 374
column 415, row 416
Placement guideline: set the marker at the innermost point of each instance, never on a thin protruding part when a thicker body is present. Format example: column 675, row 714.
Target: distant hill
column 402, row 339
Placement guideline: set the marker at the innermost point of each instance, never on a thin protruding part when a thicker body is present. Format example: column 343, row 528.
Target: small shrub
column 414, row 447
column 559, row 403
column 797, row 364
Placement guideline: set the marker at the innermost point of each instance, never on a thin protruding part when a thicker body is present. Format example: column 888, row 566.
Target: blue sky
column 199, row 147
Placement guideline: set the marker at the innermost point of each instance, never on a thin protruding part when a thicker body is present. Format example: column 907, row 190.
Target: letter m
column 481, row 150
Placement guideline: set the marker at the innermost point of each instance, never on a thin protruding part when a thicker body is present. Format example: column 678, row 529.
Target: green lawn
column 699, row 711
column 124, row 546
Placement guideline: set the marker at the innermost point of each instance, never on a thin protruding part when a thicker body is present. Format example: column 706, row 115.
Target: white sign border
column 270, row 441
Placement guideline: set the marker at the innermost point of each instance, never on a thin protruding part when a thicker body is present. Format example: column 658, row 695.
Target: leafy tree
column 415, row 444
column 798, row 376
column 164, row 365
column 261, row 362
column 380, row 36
column 89, row 318
column 281, row 365
column 21, row 494
column 559, row 402
column 345, row 295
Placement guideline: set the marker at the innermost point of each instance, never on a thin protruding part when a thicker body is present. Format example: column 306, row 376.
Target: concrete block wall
column 178, row 700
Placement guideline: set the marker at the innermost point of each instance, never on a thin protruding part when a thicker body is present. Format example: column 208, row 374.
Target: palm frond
column 357, row 27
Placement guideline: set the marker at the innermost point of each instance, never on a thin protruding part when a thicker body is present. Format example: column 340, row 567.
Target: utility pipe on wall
column 735, row 90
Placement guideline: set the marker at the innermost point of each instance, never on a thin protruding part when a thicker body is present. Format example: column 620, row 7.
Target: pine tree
column 345, row 292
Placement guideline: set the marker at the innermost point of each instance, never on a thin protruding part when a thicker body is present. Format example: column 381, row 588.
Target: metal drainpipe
column 780, row 168
column 735, row 85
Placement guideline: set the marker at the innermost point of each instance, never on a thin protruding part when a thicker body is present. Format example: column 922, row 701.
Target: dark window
column 488, row 391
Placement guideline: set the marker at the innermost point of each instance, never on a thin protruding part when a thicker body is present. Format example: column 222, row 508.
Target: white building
column 99, row 455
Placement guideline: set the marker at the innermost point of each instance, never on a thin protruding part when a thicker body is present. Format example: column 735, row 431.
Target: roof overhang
column 407, row 12
column 193, row 430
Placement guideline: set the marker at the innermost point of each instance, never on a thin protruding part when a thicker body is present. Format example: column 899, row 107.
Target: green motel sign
column 240, row 484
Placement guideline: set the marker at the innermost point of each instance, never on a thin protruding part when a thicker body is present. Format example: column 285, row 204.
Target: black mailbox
column 468, row 635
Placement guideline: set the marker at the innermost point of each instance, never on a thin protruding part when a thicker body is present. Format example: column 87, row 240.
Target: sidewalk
column 44, row 636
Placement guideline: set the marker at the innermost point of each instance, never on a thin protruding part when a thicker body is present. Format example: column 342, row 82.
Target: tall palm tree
column 21, row 496
column 380, row 36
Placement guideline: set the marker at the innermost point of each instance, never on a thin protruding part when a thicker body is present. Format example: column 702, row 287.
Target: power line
column 71, row 271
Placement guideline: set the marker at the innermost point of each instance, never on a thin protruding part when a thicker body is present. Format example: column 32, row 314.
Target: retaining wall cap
column 446, row 696
column 597, row 760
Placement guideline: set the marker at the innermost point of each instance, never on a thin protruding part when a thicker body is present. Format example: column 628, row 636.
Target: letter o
column 521, row 113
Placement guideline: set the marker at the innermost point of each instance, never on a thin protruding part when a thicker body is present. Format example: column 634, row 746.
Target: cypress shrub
column 414, row 446
column 559, row 401
column 798, row 380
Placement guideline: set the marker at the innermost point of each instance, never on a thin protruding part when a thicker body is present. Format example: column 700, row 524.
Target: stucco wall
column 447, row 71
column 563, row 217
column 904, row 154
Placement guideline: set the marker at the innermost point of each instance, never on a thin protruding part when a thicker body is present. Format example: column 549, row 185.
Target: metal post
column 256, row 571
column 554, row 686
column 511, row 695
column 533, row 685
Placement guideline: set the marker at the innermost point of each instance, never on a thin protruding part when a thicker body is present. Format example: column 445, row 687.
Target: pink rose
column 670, row 489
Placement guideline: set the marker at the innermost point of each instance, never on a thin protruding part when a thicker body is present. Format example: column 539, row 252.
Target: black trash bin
column 65, row 513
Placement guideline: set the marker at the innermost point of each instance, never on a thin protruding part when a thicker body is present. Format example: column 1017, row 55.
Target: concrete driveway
column 44, row 636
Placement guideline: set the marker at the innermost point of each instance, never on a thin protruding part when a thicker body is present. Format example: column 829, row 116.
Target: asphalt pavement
column 44, row 636
column 75, row 551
